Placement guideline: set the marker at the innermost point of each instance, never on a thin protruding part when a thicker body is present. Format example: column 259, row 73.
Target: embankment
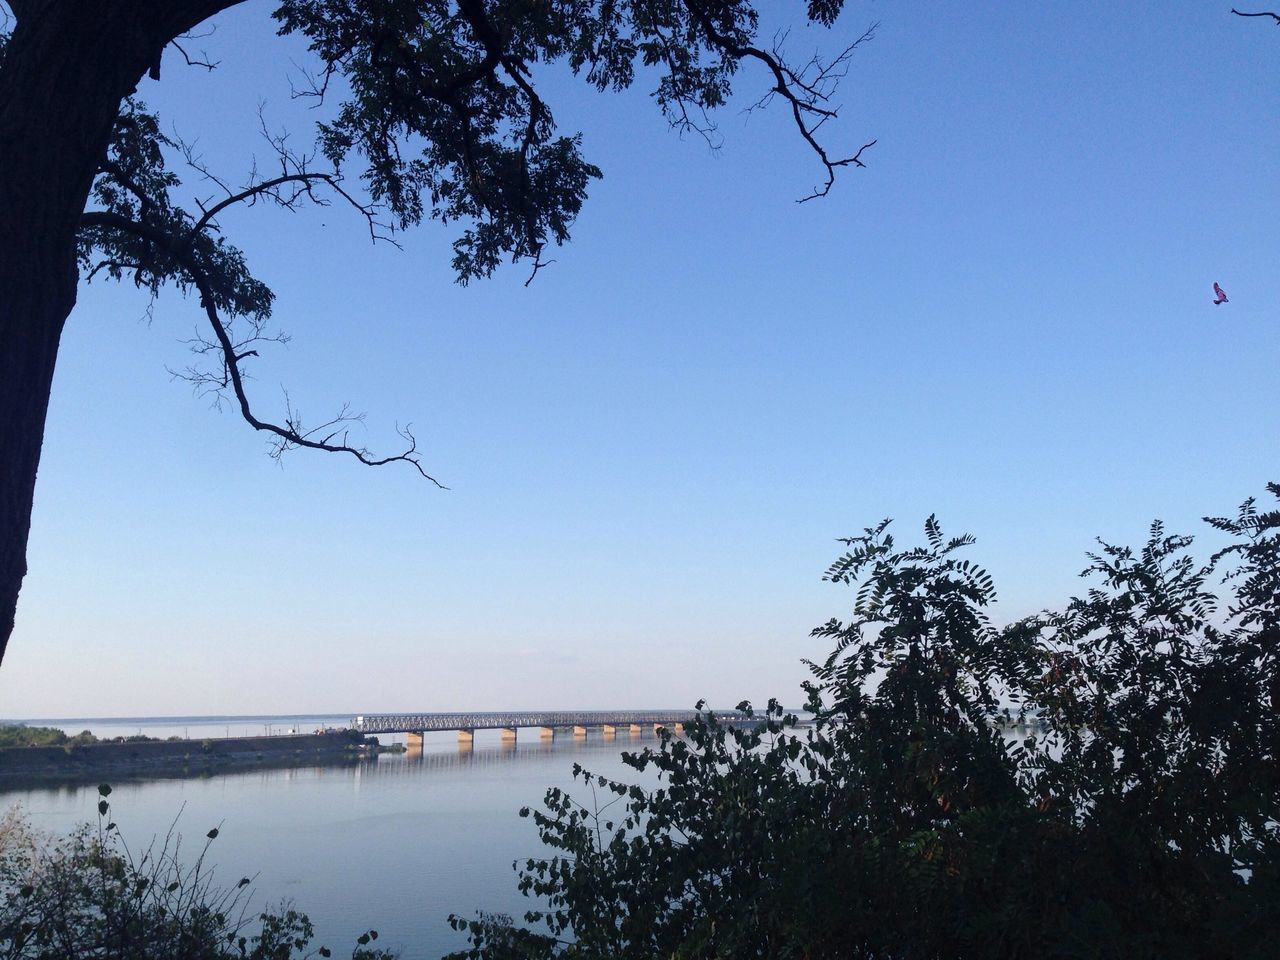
column 87, row 763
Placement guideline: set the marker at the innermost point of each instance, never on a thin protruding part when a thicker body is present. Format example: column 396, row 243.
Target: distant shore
column 144, row 759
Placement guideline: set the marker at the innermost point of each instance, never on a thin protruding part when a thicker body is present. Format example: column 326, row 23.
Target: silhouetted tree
column 437, row 106
column 1140, row 817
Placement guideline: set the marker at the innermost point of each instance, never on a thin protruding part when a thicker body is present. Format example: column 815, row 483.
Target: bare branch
column 208, row 65
column 213, row 385
column 538, row 264
column 200, row 61
column 806, row 90
column 1264, row 13
column 315, row 89
column 193, row 160
column 296, row 183
column 292, row 433
column 832, row 165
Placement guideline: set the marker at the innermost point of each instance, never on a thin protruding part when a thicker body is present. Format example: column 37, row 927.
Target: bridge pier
column 579, row 731
column 414, row 742
column 547, row 733
column 678, row 728
column 466, row 736
column 658, row 728
column 636, row 729
column 609, row 730
column 508, row 734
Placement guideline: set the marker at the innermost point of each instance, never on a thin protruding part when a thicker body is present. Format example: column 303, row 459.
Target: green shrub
column 17, row 735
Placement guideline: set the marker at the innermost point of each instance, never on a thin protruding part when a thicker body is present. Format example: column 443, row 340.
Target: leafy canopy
column 435, row 104
column 440, row 103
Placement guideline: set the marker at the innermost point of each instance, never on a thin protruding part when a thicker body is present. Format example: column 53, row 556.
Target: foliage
column 86, row 897
column 172, row 246
column 441, row 106
column 435, row 105
column 1139, row 819
column 18, row 735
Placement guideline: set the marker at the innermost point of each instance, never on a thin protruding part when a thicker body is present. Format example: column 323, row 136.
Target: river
column 396, row 843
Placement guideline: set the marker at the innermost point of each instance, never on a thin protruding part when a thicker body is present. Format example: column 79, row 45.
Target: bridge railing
column 422, row 722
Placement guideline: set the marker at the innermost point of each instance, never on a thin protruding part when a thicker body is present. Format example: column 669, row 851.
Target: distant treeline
column 17, row 735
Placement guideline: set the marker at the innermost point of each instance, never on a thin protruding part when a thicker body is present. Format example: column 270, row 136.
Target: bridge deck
column 422, row 722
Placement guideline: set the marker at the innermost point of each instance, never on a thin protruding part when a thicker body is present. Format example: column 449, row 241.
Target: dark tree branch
column 292, row 434
column 145, row 203
column 22, row 9
column 706, row 128
column 316, row 89
column 270, row 189
column 495, row 47
column 296, row 182
column 214, row 386
column 118, row 266
column 538, row 264
column 1264, row 13
column 806, row 97
column 207, row 64
column 388, row 52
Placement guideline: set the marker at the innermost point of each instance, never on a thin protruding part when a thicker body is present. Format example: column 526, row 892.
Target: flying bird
column 1221, row 297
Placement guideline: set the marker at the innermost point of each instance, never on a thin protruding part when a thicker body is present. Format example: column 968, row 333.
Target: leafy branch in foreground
column 138, row 231
column 1139, row 818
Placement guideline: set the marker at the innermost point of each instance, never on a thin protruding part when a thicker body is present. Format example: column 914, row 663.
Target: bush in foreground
column 1139, row 819
column 86, row 897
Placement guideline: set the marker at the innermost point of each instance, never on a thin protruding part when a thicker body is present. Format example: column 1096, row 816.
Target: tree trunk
column 63, row 74
column 35, row 297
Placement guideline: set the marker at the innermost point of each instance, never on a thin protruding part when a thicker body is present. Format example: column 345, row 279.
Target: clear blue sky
column 1005, row 319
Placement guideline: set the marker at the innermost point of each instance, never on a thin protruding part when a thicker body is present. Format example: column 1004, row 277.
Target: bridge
column 546, row 722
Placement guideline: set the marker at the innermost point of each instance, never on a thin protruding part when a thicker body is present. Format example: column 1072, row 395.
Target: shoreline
column 22, row 767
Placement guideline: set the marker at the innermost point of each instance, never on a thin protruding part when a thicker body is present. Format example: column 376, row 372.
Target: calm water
column 396, row 843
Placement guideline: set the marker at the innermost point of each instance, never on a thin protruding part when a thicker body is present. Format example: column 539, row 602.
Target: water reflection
column 395, row 842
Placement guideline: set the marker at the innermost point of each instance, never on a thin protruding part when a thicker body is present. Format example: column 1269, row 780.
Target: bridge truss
column 424, row 722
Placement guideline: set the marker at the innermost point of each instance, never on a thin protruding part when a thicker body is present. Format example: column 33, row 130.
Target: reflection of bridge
column 608, row 721
column 556, row 756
